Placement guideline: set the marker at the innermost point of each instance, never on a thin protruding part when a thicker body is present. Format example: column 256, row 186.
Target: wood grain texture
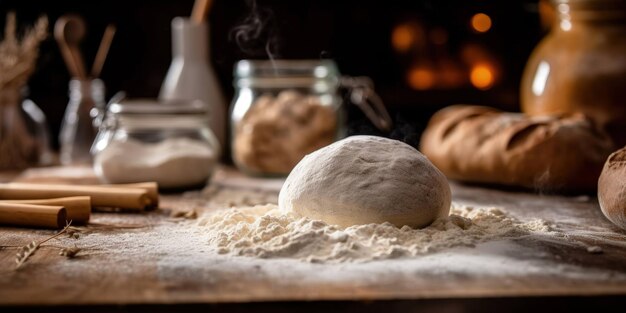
column 133, row 262
column 101, row 195
column 33, row 215
column 78, row 209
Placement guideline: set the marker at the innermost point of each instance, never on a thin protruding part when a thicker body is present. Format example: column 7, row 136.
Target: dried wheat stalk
column 18, row 149
column 27, row 251
column 17, row 58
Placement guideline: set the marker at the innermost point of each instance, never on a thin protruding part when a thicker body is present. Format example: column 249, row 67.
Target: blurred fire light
column 473, row 53
column 481, row 22
column 421, row 78
column 402, row 37
column 439, row 36
column 451, row 74
column 482, row 76
column 547, row 14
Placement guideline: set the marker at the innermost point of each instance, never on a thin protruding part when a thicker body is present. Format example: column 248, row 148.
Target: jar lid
column 149, row 106
column 286, row 68
column 285, row 73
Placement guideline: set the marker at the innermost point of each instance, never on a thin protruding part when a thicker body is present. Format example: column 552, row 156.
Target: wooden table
column 155, row 262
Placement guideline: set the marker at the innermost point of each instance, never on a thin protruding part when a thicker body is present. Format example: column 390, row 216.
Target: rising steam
column 256, row 35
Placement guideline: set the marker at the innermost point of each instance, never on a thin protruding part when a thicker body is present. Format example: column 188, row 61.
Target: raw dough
column 367, row 179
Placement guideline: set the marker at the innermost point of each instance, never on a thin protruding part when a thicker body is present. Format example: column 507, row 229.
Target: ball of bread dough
column 367, row 179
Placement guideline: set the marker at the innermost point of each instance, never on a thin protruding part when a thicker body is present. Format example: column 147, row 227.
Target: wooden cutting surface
column 154, row 258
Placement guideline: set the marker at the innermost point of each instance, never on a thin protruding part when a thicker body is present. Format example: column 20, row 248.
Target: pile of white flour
column 267, row 232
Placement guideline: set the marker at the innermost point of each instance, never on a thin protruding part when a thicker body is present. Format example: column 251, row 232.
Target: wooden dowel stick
column 101, row 196
column 152, row 188
column 32, row 215
column 200, row 10
column 78, row 209
column 103, row 51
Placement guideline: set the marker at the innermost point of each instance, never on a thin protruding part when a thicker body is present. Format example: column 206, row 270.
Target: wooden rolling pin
column 152, row 188
column 78, row 209
column 32, row 215
column 101, row 196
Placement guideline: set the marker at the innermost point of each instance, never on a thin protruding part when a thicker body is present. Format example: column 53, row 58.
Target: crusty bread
column 485, row 145
column 612, row 188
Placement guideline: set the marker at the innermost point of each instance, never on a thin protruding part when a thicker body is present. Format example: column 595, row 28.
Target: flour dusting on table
column 265, row 231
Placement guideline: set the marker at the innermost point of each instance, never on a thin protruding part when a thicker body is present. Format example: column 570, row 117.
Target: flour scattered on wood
column 265, row 231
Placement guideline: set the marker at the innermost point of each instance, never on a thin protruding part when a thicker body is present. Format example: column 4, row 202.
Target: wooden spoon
column 69, row 32
column 66, row 52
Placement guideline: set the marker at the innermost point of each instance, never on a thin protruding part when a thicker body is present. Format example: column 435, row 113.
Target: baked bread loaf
column 612, row 188
column 547, row 153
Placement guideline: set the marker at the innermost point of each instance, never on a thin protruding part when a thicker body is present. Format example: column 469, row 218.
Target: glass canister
column 580, row 66
column 283, row 110
column 166, row 142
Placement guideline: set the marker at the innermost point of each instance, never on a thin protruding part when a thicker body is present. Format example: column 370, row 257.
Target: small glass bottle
column 283, row 110
column 77, row 131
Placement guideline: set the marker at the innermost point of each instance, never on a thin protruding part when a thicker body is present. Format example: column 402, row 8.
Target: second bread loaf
column 485, row 145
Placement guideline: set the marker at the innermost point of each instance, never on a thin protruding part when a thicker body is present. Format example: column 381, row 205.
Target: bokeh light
column 421, row 78
column 482, row 76
column 402, row 37
column 481, row 22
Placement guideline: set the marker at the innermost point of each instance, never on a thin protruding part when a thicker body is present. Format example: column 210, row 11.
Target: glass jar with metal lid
column 166, row 142
column 285, row 109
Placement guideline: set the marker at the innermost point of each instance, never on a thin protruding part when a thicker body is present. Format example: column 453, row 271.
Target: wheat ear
column 27, row 251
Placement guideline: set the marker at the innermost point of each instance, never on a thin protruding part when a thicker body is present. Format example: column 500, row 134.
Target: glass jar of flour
column 166, row 142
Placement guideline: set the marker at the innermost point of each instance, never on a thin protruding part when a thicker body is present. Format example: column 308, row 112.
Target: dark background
column 355, row 33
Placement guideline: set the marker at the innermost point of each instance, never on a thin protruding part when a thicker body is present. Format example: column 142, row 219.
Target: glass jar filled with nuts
column 283, row 110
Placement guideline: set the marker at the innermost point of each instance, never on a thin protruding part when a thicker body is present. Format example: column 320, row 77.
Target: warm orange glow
column 547, row 14
column 482, row 76
column 481, row 22
column 450, row 75
column 402, row 37
column 439, row 36
column 474, row 53
column 421, row 78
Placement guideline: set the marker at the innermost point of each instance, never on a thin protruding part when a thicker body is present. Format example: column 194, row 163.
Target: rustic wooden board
column 152, row 258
